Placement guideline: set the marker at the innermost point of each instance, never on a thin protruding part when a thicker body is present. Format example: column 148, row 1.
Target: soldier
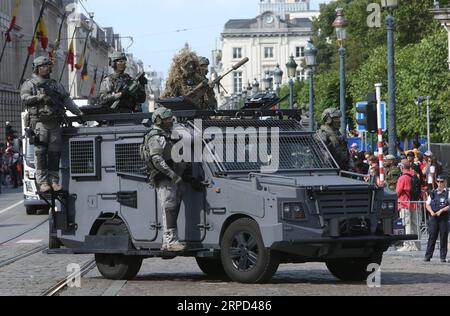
column 210, row 96
column 46, row 101
column 164, row 174
column 184, row 76
column 113, row 87
column 393, row 173
column 333, row 139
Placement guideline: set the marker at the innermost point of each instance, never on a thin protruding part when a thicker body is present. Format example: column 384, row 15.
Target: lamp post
column 278, row 78
column 340, row 25
column 267, row 82
column 390, row 24
column 292, row 72
column 255, row 87
column 310, row 58
column 418, row 101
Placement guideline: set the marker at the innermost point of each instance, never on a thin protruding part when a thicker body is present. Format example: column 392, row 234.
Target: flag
column 34, row 44
column 71, row 56
column 57, row 44
column 94, row 82
column 15, row 13
column 80, row 63
column 42, row 33
column 85, row 71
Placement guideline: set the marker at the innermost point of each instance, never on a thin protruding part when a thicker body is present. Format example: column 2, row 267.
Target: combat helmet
column 331, row 113
column 160, row 115
column 41, row 61
column 203, row 61
column 117, row 56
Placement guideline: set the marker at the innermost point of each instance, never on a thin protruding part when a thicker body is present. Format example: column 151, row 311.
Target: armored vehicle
column 248, row 213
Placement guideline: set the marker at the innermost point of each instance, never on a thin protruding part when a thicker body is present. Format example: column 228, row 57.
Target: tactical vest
column 439, row 200
column 53, row 110
column 147, row 153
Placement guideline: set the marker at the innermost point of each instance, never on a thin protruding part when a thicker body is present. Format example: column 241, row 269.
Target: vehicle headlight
column 293, row 212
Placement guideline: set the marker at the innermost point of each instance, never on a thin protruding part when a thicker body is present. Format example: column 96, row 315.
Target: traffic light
column 369, row 113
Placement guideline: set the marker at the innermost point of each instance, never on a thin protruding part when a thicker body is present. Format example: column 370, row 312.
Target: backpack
column 416, row 189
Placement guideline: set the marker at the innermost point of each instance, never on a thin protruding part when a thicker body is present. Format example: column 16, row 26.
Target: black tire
column 31, row 210
column 212, row 267
column 244, row 256
column 353, row 269
column 115, row 266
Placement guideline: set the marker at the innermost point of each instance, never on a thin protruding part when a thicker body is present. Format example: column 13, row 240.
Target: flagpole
column 44, row 2
column 67, row 57
column 3, row 51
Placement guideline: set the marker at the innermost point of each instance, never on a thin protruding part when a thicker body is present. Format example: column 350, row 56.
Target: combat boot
column 57, row 187
column 171, row 242
column 44, row 188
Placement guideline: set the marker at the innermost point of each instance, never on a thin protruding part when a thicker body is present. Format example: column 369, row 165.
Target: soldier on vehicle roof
column 46, row 101
column 113, row 88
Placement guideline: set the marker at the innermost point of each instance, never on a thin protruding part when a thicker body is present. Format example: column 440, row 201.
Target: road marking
column 28, row 242
column 11, row 207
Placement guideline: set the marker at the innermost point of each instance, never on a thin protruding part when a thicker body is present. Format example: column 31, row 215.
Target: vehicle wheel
column 353, row 269
column 31, row 210
column 211, row 267
column 244, row 257
column 114, row 266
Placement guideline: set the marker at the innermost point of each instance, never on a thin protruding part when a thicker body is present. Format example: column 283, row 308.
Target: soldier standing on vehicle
column 210, row 96
column 333, row 139
column 164, row 174
column 46, row 101
column 114, row 88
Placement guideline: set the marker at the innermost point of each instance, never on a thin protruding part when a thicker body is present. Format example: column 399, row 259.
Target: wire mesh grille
column 345, row 203
column 290, row 153
column 128, row 159
column 283, row 125
column 82, row 158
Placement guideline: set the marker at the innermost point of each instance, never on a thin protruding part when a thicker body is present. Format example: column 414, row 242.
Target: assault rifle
column 205, row 84
column 131, row 89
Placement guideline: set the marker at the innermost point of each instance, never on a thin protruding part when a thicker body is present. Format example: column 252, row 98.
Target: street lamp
column 255, row 87
column 390, row 25
column 292, row 73
column 418, row 101
column 340, row 25
column 267, row 81
column 310, row 58
column 278, row 77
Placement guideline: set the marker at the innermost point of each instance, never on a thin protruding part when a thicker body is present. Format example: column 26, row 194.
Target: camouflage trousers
column 48, row 152
column 169, row 195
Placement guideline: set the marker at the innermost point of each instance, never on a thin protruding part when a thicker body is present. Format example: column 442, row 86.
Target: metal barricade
column 420, row 213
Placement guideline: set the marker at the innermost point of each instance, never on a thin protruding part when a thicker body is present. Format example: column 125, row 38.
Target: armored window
column 85, row 160
column 237, row 53
column 268, row 52
column 128, row 159
column 237, row 82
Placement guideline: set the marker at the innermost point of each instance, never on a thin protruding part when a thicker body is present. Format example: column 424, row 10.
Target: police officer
column 438, row 206
column 113, row 87
column 46, row 101
column 209, row 101
column 164, row 174
column 333, row 139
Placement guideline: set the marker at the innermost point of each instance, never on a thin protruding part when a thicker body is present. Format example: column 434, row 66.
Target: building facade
column 282, row 29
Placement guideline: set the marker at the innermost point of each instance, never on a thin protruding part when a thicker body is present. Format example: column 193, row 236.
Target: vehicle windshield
column 293, row 153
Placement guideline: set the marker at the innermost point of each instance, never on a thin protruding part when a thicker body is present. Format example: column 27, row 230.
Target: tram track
column 27, row 254
column 24, row 233
column 63, row 283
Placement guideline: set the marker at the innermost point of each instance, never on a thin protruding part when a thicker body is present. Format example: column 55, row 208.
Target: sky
column 161, row 28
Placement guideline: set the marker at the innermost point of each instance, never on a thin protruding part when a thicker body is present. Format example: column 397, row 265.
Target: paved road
column 402, row 274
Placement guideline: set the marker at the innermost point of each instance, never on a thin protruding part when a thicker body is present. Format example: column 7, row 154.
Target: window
column 302, row 75
column 237, row 53
column 268, row 52
column 299, row 52
column 237, row 82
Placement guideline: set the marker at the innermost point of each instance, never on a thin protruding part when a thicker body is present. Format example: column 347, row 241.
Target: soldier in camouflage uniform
column 113, row 87
column 46, row 102
column 184, row 76
column 333, row 139
column 210, row 96
column 393, row 173
column 164, row 174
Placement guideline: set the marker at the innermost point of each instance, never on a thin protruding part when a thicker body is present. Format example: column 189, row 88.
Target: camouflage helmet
column 331, row 113
column 162, row 114
column 117, row 56
column 203, row 61
column 41, row 61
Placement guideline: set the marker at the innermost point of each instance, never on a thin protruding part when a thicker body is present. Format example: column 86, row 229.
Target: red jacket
column 404, row 191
